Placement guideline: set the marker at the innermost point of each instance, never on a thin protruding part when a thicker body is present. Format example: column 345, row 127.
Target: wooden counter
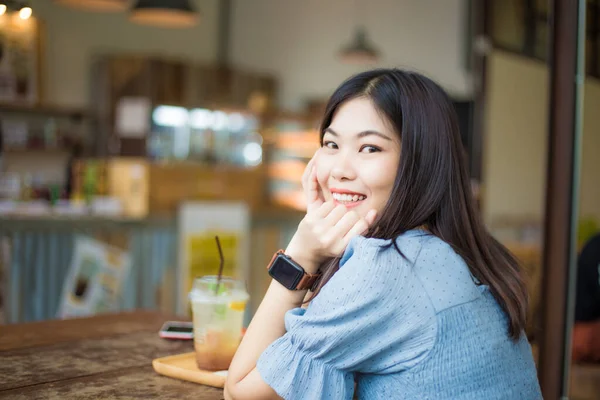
column 107, row 356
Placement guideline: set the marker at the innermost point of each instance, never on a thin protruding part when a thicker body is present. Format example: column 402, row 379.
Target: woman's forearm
column 266, row 326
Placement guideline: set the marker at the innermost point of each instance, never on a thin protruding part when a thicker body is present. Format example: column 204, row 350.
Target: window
column 523, row 26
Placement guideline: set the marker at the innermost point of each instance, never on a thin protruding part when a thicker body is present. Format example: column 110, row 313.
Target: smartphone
column 177, row 330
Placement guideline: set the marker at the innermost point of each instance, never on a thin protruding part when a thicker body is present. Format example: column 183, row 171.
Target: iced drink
column 218, row 316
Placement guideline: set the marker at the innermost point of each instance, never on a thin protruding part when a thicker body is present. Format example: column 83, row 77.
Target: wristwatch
column 289, row 273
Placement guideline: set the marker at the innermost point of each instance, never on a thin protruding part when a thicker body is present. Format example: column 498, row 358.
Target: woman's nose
column 343, row 168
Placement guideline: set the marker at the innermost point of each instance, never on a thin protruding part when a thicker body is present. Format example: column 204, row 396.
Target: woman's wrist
column 286, row 297
column 302, row 257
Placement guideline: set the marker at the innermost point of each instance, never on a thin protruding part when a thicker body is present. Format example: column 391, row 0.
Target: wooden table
column 106, row 357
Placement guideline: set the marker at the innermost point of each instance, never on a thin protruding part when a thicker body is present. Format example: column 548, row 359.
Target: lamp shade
column 95, row 5
column 164, row 13
column 359, row 51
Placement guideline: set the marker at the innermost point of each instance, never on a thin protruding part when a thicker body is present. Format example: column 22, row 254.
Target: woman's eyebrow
column 361, row 134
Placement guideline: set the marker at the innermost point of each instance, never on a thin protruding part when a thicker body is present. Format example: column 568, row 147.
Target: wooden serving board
column 183, row 366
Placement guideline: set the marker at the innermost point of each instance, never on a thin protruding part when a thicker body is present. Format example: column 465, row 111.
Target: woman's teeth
column 347, row 197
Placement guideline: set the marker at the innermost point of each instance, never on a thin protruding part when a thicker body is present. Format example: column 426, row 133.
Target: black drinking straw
column 221, row 263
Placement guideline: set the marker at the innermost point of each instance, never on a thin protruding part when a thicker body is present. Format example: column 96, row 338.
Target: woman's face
column 357, row 163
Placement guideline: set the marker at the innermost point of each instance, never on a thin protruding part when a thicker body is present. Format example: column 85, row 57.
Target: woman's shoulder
column 378, row 261
column 444, row 274
column 375, row 279
column 409, row 243
column 424, row 260
column 414, row 246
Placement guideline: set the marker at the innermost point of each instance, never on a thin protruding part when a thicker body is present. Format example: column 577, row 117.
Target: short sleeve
column 371, row 317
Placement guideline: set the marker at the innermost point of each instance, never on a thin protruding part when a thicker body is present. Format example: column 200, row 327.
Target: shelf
column 51, row 110
column 48, row 151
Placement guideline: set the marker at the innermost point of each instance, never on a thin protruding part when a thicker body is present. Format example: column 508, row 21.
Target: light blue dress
column 417, row 329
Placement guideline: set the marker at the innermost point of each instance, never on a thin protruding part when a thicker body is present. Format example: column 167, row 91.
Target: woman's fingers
column 308, row 171
column 360, row 227
column 314, row 196
column 312, row 186
column 335, row 215
column 323, row 210
column 349, row 225
column 334, row 226
column 370, row 217
column 344, row 225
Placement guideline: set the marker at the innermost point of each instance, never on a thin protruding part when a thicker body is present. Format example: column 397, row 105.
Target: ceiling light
column 164, row 13
column 359, row 51
column 2, row 9
column 95, row 5
column 25, row 12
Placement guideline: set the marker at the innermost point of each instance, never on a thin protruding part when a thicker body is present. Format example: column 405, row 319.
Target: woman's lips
column 348, row 199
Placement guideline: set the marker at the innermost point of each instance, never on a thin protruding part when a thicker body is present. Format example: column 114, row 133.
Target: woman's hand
column 325, row 233
column 312, row 190
column 326, row 229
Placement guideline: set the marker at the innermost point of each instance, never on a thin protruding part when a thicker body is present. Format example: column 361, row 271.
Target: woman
column 423, row 303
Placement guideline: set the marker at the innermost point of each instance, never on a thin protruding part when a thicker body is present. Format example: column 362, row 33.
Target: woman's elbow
column 231, row 391
column 227, row 390
column 226, row 394
column 249, row 389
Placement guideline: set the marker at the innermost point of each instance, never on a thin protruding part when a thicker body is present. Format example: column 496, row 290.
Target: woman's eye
column 330, row 145
column 369, row 149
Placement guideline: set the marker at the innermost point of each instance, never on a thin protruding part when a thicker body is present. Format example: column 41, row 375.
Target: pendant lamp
column 164, row 13
column 359, row 51
column 95, row 5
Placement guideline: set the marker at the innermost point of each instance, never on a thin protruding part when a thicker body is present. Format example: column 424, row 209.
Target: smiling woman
column 410, row 286
column 359, row 157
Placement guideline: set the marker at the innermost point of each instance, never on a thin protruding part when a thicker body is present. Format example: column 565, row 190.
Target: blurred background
column 133, row 132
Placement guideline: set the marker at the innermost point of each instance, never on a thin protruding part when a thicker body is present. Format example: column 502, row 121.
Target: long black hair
column 432, row 186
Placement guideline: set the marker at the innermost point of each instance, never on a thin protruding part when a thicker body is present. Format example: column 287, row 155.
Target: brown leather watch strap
column 307, row 281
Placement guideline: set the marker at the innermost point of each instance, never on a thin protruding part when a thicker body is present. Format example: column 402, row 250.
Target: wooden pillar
column 561, row 192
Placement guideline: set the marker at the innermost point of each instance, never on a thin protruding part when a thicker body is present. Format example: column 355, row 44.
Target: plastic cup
column 218, row 320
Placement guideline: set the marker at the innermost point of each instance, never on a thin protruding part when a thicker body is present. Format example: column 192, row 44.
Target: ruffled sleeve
column 371, row 317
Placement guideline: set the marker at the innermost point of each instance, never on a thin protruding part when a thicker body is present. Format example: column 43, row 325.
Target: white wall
column 73, row 37
column 299, row 41
column 516, row 141
column 589, row 199
column 296, row 40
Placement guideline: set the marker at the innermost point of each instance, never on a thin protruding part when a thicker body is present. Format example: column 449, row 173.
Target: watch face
column 285, row 272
